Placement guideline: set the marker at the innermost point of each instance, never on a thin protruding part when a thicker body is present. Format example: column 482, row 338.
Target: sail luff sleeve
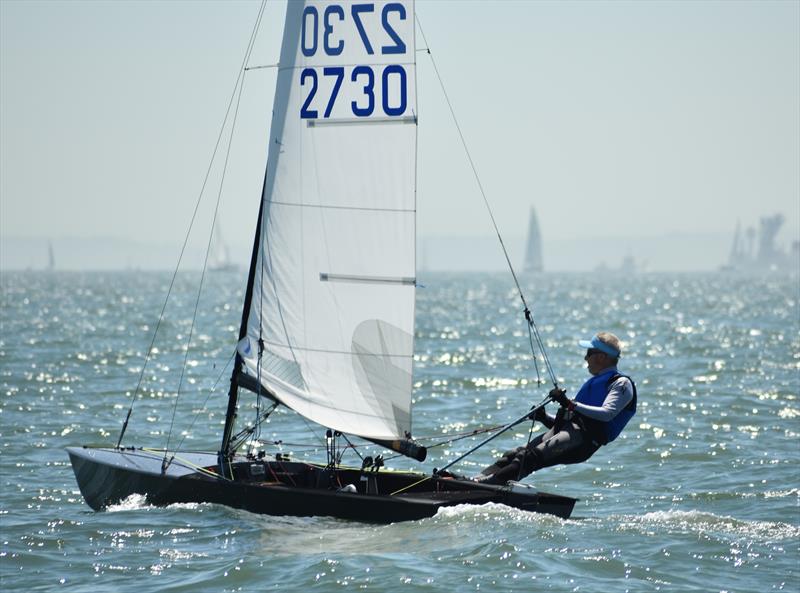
column 338, row 242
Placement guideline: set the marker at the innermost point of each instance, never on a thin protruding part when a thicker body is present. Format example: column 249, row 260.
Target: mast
column 233, row 391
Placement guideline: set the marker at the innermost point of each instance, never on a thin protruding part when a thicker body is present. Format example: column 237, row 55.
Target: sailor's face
column 595, row 360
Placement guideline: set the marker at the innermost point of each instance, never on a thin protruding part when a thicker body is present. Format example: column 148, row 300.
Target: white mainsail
column 334, row 277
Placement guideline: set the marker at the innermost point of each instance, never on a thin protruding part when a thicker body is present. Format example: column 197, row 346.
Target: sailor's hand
column 538, row 415
column 560, row 397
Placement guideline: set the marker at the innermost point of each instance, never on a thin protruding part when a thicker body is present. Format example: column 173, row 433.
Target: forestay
column 334, row 276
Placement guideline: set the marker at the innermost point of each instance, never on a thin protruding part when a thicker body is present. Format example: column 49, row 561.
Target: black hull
column 108, row 476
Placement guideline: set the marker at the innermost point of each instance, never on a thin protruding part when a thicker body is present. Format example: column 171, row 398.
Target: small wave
column 703, row 523
column 713, row 495
column 782, row 493
column 191, row 506
column 174, row 555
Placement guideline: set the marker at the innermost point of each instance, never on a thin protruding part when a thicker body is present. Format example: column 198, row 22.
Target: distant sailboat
column 533, row 251
column 51, row 258
column 219, row 260
column 328, row 319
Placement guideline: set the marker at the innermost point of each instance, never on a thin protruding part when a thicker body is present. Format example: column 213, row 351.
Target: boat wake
column 134, row 502
column 708, row 525
column 492, row 512
column 304, row 536
column 138, row 502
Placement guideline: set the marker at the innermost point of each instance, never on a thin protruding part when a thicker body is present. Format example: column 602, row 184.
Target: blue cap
column 598, row 344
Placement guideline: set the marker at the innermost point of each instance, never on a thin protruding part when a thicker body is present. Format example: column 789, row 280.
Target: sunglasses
column 591, row 352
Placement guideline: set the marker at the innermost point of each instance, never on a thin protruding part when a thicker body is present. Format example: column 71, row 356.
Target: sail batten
column 361, row 122
column 342, row 207
column 325, row 277
column 331, row 321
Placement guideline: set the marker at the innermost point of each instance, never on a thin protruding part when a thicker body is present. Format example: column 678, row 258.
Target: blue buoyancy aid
column 593, row 393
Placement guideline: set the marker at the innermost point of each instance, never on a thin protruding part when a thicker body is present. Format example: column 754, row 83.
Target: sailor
column 595, row 417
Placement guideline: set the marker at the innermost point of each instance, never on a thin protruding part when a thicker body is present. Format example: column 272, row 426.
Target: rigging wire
column 203, row 407
column 240, row 81
column 191, row 225
column 240, row 85
column 535, row 363
column 349, row 446
column 525, row 451
column 246, row 435
column 528, row 315
column 256, row 437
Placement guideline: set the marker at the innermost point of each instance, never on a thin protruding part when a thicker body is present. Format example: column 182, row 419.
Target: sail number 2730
column 367, row 87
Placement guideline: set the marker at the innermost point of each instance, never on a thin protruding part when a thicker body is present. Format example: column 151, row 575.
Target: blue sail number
column 364, row 77
column 356, row 11
column 399, row 47
column 339, row 47
column 305, row 112
column 393, row 78
column 338, row 72
column 401, row 73
column 369, row 91
column 334, row 16
column 309, row 50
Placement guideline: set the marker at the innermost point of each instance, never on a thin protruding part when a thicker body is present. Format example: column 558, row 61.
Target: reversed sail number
column 365, row 82
column 310, row 32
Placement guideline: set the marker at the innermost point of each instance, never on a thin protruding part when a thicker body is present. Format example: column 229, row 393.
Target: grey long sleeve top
column 619, row 395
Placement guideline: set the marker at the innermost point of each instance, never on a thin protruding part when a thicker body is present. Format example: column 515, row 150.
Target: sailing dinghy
column 328, row 319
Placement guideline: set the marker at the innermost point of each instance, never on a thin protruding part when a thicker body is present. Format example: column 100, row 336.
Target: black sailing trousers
column 565, row 443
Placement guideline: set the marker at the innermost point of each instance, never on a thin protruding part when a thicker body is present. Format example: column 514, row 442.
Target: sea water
column 700, row 493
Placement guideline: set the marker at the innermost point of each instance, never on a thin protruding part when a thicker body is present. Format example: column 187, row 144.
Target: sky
column 619, row 122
